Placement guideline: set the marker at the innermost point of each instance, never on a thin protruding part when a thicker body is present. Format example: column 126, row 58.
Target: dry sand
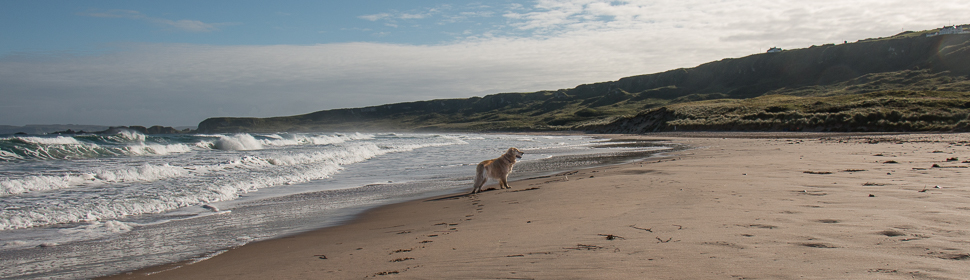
column 819, row 207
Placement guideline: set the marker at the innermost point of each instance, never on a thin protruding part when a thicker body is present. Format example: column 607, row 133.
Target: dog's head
column 515, row 152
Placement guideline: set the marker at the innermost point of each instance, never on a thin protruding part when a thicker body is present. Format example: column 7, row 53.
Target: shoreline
column 626, row 158
column 727, row 208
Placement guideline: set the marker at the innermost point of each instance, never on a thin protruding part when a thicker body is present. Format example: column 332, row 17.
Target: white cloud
column 114, row 14
column 442, row 14
column 401, row 15
column 570, row 43
column 413, row 16
column 187, row 25
column 375, row 17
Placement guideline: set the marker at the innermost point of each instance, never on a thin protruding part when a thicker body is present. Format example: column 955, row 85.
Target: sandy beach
column 759, row 206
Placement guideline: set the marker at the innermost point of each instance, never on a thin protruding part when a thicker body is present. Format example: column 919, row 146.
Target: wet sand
column 777, row 206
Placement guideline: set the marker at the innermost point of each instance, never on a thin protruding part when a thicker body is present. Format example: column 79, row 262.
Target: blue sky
column 178, row 62
column 90, row 25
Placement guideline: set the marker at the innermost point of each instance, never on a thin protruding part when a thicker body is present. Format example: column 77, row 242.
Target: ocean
column 84, row 206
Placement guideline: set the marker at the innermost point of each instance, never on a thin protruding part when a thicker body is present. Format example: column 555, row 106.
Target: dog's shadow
column 460, row 195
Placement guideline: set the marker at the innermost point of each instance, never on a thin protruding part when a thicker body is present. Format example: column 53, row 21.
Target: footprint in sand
column 818, row 245
column 400, row 251
column 892, row 233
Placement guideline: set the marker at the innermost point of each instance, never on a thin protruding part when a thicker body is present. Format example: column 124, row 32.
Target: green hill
column 907, row 82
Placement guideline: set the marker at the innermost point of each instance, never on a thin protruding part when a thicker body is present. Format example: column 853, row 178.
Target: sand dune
column 793, row 206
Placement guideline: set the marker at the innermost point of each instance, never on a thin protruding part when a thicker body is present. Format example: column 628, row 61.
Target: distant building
column 947, row 30
column 774, row 50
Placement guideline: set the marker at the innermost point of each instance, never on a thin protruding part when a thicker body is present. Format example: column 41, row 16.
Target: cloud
column 399, row 15
column 375, row 17
column 114, row 14
column 545, row 46
column 414, row 16
column 443, row 14
column 186, row 25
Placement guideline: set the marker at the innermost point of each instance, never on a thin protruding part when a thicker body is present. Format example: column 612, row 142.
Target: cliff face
column 865, row 66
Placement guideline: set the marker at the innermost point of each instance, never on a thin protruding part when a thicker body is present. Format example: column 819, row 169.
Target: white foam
column 243, row 142
column 5, row 155
column 308, row 167
column 303, row 168
column 14, row 244
column 204, row 257
column 94, row 229
column 157, row 149
column 124, row 136
column 39, row 183
column 205, row 144
column 59, row 140
column 309, row 139
column 454, row 139
column 114, row 192
column 135, row 174
column 143, row 173
column 238, row 142
column 69, row 148
column 470, row 137
column 52, row 237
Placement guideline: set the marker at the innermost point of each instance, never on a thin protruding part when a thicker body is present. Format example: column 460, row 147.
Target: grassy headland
column 907, row 82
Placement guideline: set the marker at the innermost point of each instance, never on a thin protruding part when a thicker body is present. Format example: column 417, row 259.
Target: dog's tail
column 480, row 177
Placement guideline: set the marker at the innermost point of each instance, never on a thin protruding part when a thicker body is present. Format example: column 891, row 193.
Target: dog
column 498, row 168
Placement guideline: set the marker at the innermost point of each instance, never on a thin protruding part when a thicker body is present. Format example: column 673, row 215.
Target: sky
column 176, row 63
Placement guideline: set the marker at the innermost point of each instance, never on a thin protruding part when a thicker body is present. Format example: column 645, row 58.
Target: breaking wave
column 148, row 175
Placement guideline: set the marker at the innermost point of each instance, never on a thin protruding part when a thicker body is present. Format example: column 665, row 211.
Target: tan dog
column 498, row 168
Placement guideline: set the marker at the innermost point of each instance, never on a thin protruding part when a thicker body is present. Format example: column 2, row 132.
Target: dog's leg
column 505, row 177
column 480, row 178
column 504, row 183
column 479, row 182
column 478, row 185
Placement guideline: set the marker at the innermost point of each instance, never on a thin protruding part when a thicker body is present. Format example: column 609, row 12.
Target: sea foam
column 59, row 140
column 112, row 192
column 122, row 144
column 238, row 142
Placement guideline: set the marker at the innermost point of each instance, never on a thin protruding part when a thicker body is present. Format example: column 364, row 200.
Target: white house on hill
column 774, row 50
